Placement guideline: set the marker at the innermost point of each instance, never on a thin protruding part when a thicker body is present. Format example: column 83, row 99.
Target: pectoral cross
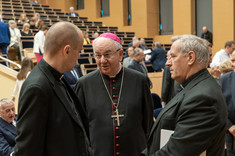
column 117, row 116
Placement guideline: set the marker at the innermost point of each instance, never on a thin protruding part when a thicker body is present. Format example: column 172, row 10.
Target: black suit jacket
column 137, row 66
column 7, row 137
column 228, row 88
column 197, row 115
column 48, row 124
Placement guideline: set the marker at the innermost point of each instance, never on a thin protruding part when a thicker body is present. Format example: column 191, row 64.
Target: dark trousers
column 3, row 47
column 230, row 144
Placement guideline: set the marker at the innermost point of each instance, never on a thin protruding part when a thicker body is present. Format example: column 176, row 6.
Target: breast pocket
column 168, row 123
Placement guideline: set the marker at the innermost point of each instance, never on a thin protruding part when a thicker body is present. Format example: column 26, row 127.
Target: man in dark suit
column 4, row 37
column 50, row 120
column 158, row 57
column 195, row 120
column 72, row 13
column 7, row 127
column 72, row 76
column 206, row 34
column 228, row 88
column 135, row 63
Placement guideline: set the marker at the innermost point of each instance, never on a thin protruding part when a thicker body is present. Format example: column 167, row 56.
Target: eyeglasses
column 106, row 56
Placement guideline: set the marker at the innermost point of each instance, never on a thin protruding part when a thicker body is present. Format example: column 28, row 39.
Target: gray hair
column 136, row 52
column 11, row 22
column 197, row 45
column 116, row 44
column 157, row 44
column 5, row 100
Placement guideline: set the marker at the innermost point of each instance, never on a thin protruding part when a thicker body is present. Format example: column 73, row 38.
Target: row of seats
column 11, row 9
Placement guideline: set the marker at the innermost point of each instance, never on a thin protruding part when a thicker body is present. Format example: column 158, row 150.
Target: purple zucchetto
column 111, row 36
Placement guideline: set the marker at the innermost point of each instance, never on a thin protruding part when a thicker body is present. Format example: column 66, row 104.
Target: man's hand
column 232, row 130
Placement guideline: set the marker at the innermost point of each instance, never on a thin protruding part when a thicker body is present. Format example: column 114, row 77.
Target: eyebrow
column 108, row 51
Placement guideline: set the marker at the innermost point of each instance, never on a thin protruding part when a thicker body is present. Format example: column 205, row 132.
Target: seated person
column 95, row 35
column 15, row 36
column 32, row 23
column 225, row 67
column 25, row 31
column 7, row 127
column 35, row 2
column 23, row 19
column 86, row 38
column 72, row 13
column 40, row 24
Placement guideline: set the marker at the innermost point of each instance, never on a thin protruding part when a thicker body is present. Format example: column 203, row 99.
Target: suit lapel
column 180, row 96
column 60, row 94
column 8, row 126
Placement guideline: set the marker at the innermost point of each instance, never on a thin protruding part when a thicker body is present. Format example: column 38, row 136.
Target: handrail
column 7, row 60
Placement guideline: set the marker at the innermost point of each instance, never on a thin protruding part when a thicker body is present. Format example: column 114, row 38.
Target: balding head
column 204, row 29
column 60, row 35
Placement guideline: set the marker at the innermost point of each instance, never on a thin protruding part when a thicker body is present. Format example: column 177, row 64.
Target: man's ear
column 121, row 54
column 66, row 49
column 191, row 57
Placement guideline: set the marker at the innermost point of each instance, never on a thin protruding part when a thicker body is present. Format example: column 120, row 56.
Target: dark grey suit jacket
column 197, row 115
column 228, row 89
column 48, row 124
column 7, row 137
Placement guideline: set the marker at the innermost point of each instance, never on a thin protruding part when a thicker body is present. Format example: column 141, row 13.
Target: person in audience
column 26, row 67
column 120, row 112
column 35, row 2
column 206, row 34
column 37, row 18
column 223, row 54
column 72, row 76
column 7, row 127
column 32, row 23
column 72, row 13
column 40, row 24
column 135, row 63
column 195, row 119
column 86, row 39
column 4, row 37
column 158, row 57
column 15, row 37
column 38, row 45
column 50, row 120
column 23, row 19
column 95, row 35
column 228, row 88
column 142, row 44
column 26, row 31
column 225, row 67
column 127, row 60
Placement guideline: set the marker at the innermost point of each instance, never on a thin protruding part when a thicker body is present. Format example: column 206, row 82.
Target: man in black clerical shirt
column 50, row 121
column 194, row 121
column 117, row 101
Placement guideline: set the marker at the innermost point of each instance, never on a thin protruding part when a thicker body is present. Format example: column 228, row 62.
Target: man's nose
column 168, row 62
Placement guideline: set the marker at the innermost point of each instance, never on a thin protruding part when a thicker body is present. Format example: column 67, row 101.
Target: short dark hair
column 229, row 43
column 44, row 27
